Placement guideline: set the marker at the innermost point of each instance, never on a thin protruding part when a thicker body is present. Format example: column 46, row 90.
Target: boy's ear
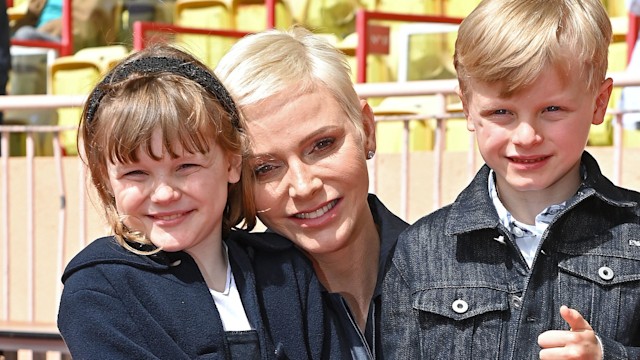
column 465, row 109
column 369, row 125
column 235, row 168
column 602, row 101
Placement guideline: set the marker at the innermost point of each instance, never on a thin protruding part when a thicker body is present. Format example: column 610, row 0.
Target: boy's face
column 534, row 138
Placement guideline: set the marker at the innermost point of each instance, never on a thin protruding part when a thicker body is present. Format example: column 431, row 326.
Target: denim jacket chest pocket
column 461, row 321
column 603, row 284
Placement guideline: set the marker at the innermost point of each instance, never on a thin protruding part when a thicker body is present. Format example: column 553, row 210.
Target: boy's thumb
column 574, row 319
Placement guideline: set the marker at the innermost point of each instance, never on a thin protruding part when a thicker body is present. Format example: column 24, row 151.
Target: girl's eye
column 134, row 173
column 188, row 166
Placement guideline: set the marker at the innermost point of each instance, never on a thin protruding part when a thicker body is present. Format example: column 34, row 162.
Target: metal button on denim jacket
column 453, row 291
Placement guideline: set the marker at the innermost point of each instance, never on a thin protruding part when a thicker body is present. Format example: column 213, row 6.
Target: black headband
column 160, row 64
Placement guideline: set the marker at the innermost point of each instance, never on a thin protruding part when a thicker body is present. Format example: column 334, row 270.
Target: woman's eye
column 323, row 144
column 263, row 169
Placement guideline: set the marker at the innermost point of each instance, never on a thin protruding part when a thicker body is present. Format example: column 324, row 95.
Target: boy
column 536, row 258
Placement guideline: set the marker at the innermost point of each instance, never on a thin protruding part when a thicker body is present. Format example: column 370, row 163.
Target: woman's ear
column 369, row 126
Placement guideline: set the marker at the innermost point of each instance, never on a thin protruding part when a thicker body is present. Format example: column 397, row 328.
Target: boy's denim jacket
column 459, row 288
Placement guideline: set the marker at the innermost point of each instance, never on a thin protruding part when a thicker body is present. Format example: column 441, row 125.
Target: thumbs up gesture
column 578, row 343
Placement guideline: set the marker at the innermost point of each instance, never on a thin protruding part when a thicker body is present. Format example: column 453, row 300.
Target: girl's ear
column 602, row 101
column 369, row 126
column 235, row 168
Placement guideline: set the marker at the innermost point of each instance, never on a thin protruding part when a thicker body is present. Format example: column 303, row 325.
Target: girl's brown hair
column 162, row 88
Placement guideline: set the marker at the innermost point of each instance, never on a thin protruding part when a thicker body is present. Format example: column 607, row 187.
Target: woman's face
column 310, row 168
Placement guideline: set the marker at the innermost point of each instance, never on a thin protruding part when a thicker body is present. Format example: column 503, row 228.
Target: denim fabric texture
column 458, row 287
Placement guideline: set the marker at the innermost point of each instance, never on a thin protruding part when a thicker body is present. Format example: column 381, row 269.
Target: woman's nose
column 302, row 180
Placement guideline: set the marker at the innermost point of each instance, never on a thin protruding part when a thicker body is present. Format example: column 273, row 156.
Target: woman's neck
column 352, row 271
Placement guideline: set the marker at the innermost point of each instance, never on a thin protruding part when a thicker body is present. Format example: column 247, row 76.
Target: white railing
column 63, row 251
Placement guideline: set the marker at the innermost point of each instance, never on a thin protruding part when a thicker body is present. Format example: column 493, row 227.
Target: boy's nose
column 526, row 134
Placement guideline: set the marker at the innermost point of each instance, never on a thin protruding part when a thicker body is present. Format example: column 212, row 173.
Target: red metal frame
column 140, row 28
column 271, row 13
column 362, row 21
column 632, row 34
column 65, row 45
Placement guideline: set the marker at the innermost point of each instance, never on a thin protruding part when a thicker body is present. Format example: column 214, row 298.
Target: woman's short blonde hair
column 267, row 63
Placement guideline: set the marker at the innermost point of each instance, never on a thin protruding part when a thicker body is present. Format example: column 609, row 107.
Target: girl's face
column 178, row 203
column 310, row 168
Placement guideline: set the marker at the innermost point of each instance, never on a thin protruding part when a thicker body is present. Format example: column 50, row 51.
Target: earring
column 370, row 154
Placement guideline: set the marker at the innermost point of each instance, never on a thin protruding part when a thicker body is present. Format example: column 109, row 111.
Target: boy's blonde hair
column 267, row 63
column 127, row 107
column 512, row 41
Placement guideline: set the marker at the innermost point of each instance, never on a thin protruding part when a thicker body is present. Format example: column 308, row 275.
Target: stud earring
column 370, row 154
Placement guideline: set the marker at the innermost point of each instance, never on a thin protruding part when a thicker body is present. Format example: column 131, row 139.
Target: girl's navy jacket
column 120, row 305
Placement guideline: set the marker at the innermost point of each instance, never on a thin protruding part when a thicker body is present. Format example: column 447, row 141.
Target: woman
column 310, row 138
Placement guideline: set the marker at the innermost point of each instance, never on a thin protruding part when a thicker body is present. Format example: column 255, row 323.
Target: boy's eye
column 501, row 112
column 553, row 108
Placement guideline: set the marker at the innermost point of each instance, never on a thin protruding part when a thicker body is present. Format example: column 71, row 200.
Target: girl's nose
column 164, row 192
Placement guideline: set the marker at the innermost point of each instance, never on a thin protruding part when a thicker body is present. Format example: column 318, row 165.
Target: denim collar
column 473, row 209
column 389, row 227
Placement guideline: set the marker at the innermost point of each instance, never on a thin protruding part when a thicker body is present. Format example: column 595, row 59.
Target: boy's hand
column 578, row 343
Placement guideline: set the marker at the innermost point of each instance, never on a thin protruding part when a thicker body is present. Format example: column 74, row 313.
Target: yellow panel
column 71, row 76
column 631, row 138
column 459, row 8
column 458, row 136
column 253, row 17
column 389, row 134
column 105, row 56
column 204, row 15
column 415, row 7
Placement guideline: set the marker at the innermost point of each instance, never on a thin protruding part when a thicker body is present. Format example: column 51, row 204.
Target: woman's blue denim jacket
column 459, row 288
